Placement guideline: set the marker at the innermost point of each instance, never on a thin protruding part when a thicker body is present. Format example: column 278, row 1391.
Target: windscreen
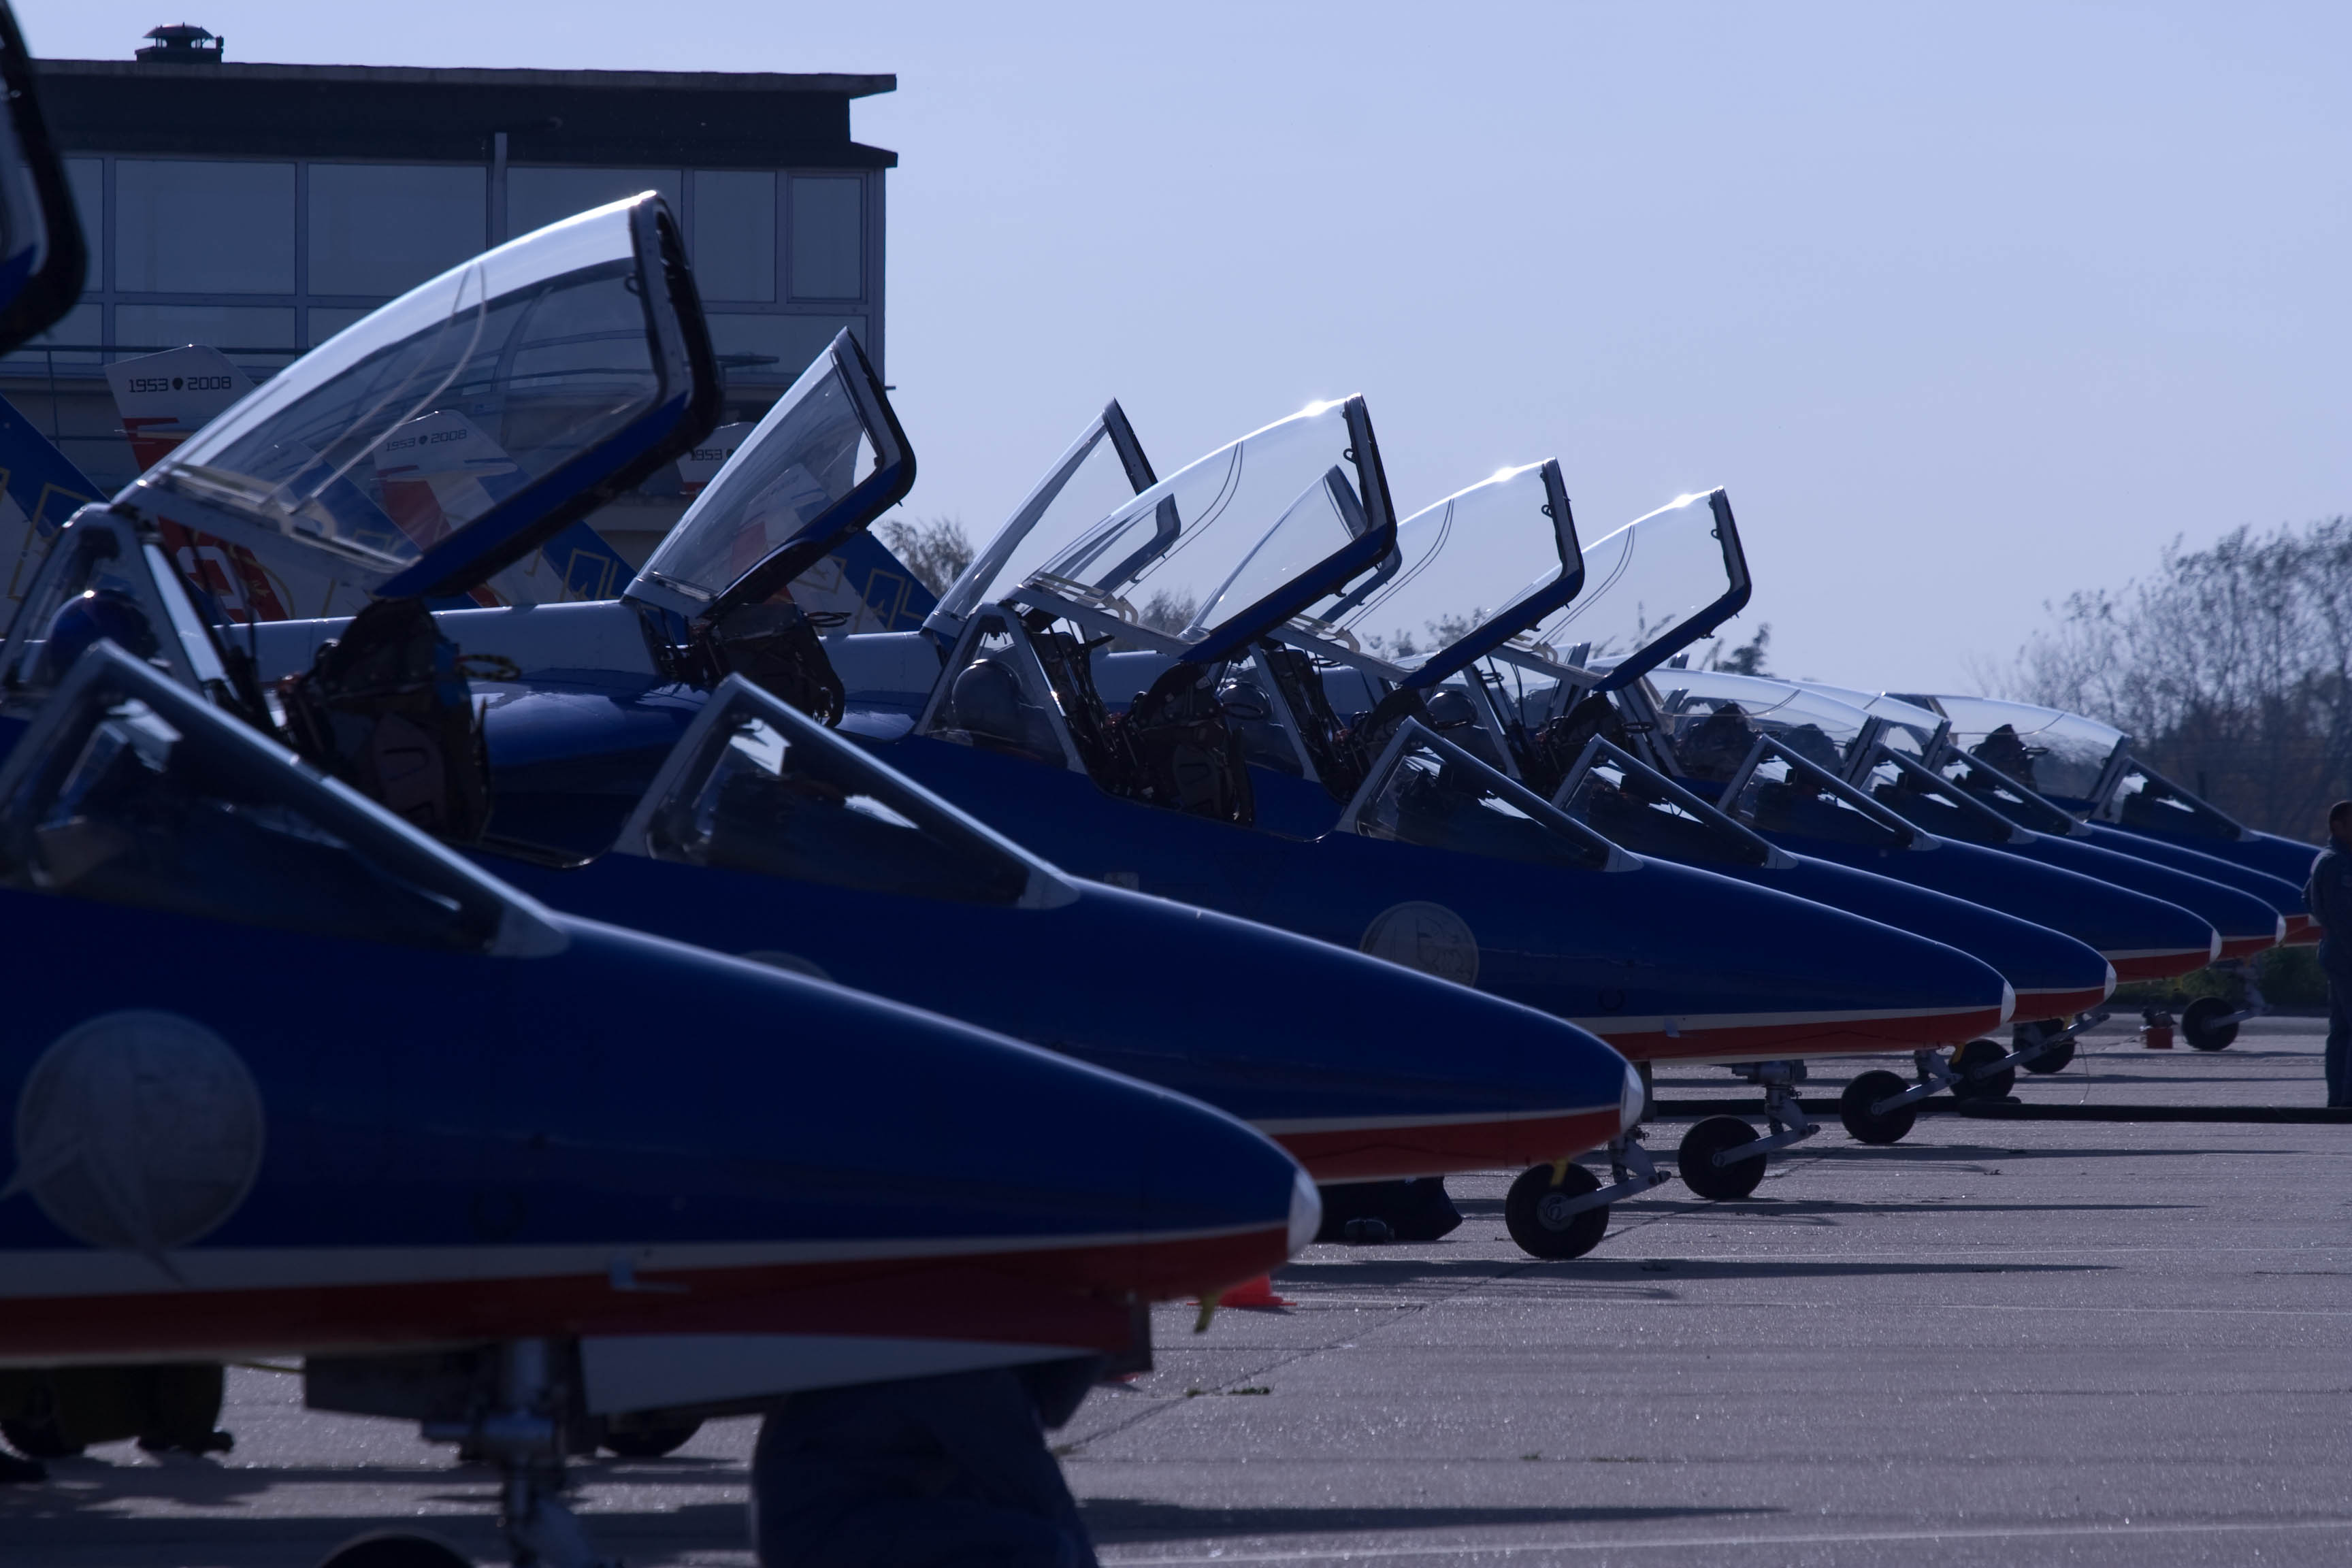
column 2149, row 801
column 811, row 450
column 1986, row 783
column 1653, row 585
column 765, row 794
column 132, row 799
column 1441, row 799
column 418, row 420
column 1457, row 562
column 1778, row 796
column 1926, row 801
column 1711, row 719
column 2061, row 755
column 1635, row 809
column 1909, row 728
column 1190, row 545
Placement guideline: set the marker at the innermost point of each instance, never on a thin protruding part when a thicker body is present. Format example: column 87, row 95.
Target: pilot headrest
column 1450, row 710
column 88, row 617
column 987, row 699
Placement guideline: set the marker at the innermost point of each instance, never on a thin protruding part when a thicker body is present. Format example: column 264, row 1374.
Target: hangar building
column 262, row 208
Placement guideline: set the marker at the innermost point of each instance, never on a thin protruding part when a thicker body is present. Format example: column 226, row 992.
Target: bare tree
column 934, row 549
column 2231, row 667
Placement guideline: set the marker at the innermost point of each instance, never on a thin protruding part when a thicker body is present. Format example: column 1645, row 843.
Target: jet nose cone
column 1306, row 1213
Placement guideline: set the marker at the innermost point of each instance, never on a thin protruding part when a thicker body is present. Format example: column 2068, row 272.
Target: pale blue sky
column 1967, row 305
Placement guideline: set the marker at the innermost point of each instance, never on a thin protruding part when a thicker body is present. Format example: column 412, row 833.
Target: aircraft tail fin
column 42, row 488
column 164, row 398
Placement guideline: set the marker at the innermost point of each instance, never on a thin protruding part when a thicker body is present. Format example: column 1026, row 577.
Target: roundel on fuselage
column 137, row 1129
column 1425, row 936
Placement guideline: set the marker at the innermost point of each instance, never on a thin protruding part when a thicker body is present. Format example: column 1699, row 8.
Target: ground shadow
column 1591, row 1270
column 1125, row 1520
column 236, row 1538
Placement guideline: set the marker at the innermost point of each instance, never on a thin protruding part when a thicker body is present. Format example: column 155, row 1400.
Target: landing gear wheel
column 1974, row 1055
column 2198, row 1026
column 1867, row 1127
column 2055, row 1060
column 1531, row 1213
column 650, row 1442
column 37, row 1438
column 392, row 1549
column 1701, row 1174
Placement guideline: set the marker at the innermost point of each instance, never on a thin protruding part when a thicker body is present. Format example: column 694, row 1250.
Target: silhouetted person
column 2328, row 895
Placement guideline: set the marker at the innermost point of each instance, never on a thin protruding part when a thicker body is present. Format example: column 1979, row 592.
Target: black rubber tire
column 651, row 1442
column 37, row 1438
column 396, row 1548
column 1701, row 1174
column 1975, row 1053
column 2197, row 1027
column 1866, row 1090
column 1554, row 1237
column 2057, row 1060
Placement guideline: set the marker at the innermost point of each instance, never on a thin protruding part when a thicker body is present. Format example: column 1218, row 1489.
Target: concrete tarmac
column 1996, row 1342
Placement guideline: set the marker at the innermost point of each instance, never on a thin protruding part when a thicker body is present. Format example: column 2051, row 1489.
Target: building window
column 537, row 198
column 188, row 228
column 229, row 328
column 773, row 348
column 828, row 241
column 383, row 228
column 735, row 234
column 85, row 180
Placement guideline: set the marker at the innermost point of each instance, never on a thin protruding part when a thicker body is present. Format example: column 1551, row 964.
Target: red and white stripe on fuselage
column 82, row 1304
column 1776, row 1036
column 1388, row 1148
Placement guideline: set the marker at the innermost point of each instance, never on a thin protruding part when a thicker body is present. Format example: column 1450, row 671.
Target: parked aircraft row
column 684, row 1000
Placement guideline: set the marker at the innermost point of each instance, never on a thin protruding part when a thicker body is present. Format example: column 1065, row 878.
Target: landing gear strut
column 522, row 1438
column 1722, row 1158
column 1563, row 1210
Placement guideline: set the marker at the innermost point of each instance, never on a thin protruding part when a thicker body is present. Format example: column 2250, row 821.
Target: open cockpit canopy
column 2064, row 757
column 42, row 256
column 826, row 460
column 1651, row 589
column 1199, row 563
column 451, row 432
column 1445, row 598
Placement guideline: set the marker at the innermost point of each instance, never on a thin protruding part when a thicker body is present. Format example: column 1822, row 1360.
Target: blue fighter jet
column 740, row 823
column 1453, row 557
column 197, row 1176
column 1418, row 851
column 704, row 607
column 2088, row 770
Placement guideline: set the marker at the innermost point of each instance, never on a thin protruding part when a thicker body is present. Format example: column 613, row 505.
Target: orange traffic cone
column 1253, row 1294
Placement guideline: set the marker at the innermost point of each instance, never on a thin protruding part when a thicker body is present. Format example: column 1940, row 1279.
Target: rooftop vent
column 183, row 44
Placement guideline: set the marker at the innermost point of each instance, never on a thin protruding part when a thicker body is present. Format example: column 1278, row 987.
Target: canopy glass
column 1213, row 537
column 1455, row 566
column 1710, row 720
column 1653, row 587
column 789, row 483
column 2058, row 754
column 439, row 436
